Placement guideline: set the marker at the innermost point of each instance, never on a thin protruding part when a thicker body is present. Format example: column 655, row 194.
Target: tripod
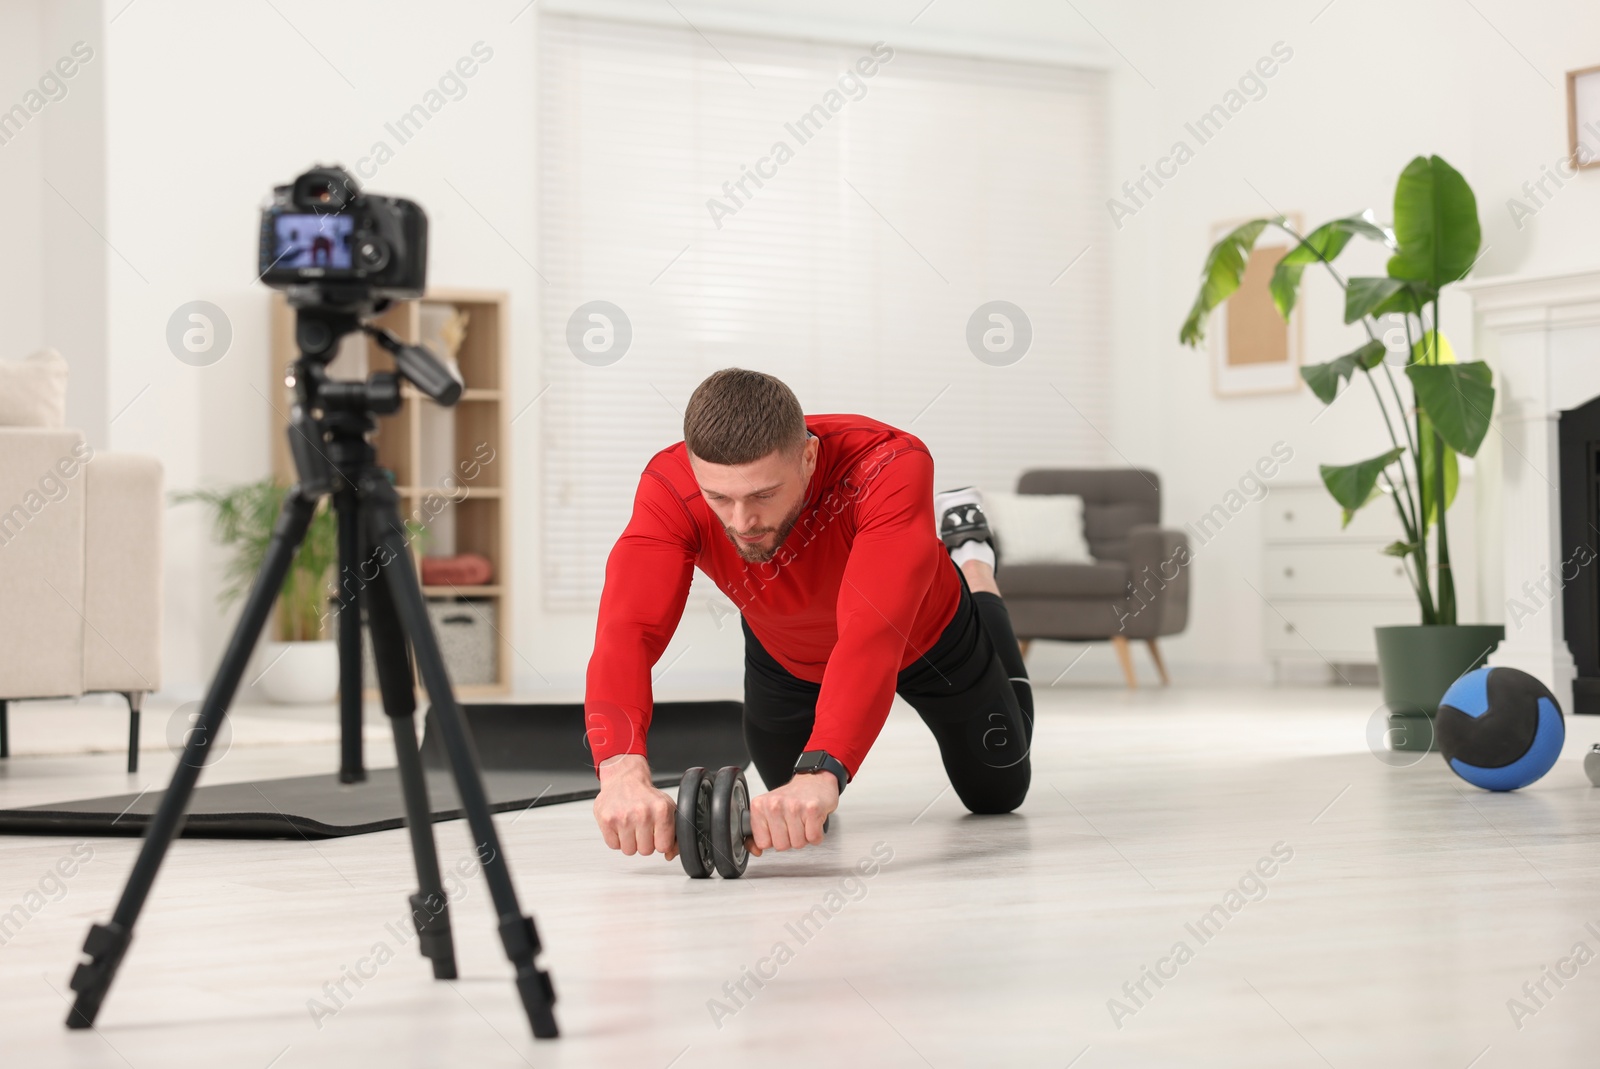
column 333, row 456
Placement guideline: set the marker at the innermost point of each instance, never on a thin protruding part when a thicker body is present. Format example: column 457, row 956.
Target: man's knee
column 1002, row 792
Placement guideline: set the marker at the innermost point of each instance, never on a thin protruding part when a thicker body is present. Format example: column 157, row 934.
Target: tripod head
column 336, row 411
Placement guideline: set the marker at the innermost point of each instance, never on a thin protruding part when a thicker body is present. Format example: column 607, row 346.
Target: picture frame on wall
column 1583, row 117
column 1253, row 351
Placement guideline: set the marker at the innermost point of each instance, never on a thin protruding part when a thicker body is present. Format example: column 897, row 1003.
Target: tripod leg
column 351, row 770
column 107, row 943
column 517, row 932
column 430, row 909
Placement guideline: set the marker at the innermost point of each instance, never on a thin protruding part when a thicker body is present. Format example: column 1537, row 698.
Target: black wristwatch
column 822, row 761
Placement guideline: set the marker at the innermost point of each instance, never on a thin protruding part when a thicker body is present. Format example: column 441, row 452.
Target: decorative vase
column 301, row 673
column 1416, row 665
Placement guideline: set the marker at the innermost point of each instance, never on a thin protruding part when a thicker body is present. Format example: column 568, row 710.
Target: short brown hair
column 738, row 416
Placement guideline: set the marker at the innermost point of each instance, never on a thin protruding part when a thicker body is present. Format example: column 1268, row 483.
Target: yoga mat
column 530, row 755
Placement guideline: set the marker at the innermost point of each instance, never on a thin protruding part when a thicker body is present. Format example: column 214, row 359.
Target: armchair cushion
column 1038, row 528
column 1114, row 499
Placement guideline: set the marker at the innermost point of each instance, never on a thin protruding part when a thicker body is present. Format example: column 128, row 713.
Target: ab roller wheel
column 694, row 817
column 714, row 822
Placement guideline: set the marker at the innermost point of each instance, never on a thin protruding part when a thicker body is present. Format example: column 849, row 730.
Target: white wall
column 52, row 181
column 208, row 105
column 21, row 165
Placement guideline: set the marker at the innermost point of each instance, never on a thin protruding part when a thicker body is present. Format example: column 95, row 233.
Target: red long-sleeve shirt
column 857, row 592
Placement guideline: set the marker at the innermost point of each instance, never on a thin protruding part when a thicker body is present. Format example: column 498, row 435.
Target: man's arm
column 892, row 562
column 647, row 582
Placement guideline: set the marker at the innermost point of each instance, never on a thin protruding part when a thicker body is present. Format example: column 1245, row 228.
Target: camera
column 328, row 243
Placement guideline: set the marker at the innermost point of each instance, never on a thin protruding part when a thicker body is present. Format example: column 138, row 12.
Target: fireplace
column 1579, row 485
column 1541, row 335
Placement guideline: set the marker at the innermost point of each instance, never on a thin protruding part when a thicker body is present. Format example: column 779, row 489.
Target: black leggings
column 970, row 688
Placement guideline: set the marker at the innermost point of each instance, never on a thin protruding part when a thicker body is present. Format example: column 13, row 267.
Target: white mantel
column 1541, row 335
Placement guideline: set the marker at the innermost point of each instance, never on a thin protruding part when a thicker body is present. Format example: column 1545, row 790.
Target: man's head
column 751, row 456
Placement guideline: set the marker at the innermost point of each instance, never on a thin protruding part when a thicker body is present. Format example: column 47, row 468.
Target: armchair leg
column 1155, row 655
column 5, row 729
column 1126, row 657
column 135, row 700
column 1023, row 644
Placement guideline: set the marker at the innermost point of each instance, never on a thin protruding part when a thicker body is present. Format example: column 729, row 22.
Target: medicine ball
column 1499, row 728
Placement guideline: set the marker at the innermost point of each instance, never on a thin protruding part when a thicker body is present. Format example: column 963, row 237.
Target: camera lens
column 372, row 252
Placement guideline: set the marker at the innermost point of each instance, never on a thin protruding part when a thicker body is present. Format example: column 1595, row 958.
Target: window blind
column 850, row 265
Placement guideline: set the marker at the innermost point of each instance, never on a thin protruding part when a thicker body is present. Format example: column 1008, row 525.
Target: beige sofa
column 80, row 572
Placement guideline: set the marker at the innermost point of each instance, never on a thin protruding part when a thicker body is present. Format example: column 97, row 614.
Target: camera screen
column 311, row 240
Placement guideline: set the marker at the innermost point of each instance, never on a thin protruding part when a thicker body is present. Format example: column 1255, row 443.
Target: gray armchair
column 1136, row 588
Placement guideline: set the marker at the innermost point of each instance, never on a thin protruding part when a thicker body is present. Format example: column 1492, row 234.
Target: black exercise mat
column 531, row 755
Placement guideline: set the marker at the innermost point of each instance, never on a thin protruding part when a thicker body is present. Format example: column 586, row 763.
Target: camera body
column 328, row 243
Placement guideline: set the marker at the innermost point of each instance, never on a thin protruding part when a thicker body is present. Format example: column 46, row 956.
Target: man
column 822, row 531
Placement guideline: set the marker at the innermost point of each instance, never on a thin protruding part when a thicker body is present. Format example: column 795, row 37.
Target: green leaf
column 1408, row 299
column 1324, row 379
column 1220, row 278
column 1400, row 549
column 1435, row 224
column 1371, row 354
column 1362, row 296
column 1353, row 485
column 1322, row 245
column 1458, row 398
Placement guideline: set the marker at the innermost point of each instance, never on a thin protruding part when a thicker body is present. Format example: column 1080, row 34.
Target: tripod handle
column 419, row 367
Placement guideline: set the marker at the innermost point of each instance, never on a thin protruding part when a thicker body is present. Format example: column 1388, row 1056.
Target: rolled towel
column 463, row 569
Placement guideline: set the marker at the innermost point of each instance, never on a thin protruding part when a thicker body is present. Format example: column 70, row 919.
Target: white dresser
column 1328, row 588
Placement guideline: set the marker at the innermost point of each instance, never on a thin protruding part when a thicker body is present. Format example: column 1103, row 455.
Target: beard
column 758, row 554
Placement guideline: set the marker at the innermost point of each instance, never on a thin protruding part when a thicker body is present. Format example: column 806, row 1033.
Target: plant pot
column 301, row 673
column 1416, row 665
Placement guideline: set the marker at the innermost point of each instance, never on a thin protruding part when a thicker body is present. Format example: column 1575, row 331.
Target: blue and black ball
column 1499, row 728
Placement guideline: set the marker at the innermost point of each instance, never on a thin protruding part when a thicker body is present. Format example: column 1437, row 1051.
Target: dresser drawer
column 1309, row 513
column 1332, row 629
column 1334, row 570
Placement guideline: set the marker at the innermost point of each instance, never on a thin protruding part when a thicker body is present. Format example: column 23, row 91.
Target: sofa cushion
column 1101, row 579
column 33, row 392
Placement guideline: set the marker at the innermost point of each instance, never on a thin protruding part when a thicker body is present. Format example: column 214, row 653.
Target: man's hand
column 791, row 816
column 634, row 815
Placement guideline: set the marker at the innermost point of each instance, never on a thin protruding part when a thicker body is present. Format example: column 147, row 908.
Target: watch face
column 810, row 762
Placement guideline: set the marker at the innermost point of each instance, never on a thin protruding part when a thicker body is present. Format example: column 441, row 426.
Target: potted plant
column 1435, row 241
column 303, row 667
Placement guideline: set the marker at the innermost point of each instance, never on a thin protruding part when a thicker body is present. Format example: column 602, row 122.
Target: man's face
column 760, row 502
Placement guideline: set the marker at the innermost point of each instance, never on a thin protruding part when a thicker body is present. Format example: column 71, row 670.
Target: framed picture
column 1253, row 350
column 1583, row 117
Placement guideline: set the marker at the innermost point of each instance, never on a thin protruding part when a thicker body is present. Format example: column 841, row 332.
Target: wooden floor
column 1403, row 914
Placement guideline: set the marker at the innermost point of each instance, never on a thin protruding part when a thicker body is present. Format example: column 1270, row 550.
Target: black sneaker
column 961, row 517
